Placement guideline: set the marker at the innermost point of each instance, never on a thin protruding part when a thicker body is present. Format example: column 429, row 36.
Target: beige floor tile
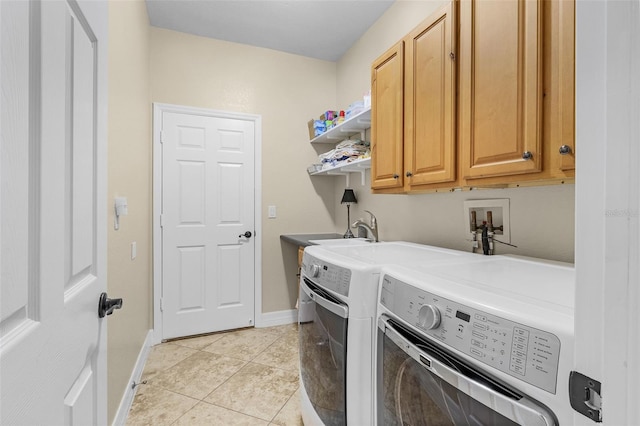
column 256, row 390
column 243, row 344
column 198, row 375
column 287, row 328
column 198, row 342
column 290, row 414
column 207, row 414
column 156, row 406
column 283, row 353
column 164, row 356
column 184, row 371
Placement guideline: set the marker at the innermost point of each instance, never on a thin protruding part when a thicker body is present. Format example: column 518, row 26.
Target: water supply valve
column 488, row 222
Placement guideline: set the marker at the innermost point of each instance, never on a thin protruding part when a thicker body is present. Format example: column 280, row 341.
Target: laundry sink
column 398, row 252
column 342, row 241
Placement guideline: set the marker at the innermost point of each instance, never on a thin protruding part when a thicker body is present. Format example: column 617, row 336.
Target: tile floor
column 242, row 377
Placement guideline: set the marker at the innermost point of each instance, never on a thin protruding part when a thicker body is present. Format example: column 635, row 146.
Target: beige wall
column 129, row 176
column 542, row 218
column 354, row 68
column 153, row 65
column 286, row 90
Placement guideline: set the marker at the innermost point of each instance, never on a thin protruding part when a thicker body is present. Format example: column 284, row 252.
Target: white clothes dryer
column 338, row 298
column 484, row 342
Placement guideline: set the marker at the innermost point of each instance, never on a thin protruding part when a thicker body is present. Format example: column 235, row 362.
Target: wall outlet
column 499, row 209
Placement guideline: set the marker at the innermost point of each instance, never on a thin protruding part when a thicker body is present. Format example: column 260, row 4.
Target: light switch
column 134, row 250
column 272, row 212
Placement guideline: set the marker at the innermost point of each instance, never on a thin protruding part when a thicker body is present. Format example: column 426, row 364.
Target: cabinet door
column 500, row 87
column 387, row 119
column 560, row 94
column 430, row 143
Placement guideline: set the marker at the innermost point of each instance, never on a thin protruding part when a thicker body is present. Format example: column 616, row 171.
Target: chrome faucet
column 372, row 228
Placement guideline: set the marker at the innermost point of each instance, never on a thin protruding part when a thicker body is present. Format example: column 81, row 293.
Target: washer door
column 420, row 383
column 323, row 352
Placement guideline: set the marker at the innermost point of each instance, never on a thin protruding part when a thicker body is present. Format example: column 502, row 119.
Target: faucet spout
column 372, row 228
column 374, row 221
column 372, row 232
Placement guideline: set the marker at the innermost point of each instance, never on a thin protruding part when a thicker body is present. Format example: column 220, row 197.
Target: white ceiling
column 322, row 29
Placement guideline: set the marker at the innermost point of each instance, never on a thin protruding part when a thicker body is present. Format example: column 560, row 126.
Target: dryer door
column 323, row 352
column 420, row 383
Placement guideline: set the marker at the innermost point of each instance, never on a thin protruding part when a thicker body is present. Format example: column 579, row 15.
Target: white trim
column 271, row 319
column 158, row 110
column 136, row 374
column 607, row 342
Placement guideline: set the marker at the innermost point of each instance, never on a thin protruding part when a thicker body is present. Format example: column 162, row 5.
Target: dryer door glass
column 422, row 383
column 323, row 350
column 412, row 395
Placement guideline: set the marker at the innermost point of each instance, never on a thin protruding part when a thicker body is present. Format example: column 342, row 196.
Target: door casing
column 158, row 110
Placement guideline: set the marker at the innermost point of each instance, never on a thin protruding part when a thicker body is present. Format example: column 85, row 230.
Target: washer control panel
column 526, row 353
column 327, row 275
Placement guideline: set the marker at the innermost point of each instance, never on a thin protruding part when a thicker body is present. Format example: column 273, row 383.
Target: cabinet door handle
column 527, row 155
column 409, row 174
column 565, row 149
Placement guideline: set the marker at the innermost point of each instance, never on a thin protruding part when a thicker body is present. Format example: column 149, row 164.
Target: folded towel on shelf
column 345, row 152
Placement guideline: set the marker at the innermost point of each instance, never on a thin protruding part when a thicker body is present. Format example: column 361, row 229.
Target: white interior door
column 207, row 207
column 53, row 216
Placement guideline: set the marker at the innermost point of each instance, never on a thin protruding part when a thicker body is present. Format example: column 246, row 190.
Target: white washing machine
column 484, row 342
column 338, row 298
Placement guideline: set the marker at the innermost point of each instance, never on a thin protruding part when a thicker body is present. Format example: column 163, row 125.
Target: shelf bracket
column 356, row 169
column 340, row 173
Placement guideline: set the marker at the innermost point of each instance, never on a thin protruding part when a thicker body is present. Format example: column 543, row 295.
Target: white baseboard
column 271, row 319
column 130, row 392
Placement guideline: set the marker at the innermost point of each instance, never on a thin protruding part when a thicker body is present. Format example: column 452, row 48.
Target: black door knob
column 246, row 235
column 106, row 306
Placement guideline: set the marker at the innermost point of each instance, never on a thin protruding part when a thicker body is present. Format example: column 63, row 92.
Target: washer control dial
column 314, row 270
column 429, row 317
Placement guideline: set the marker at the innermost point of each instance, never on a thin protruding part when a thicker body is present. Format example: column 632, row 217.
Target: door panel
column 430, row 107
column 500, row 87
column 192, row 178
column 191, row 287
column 230, row 267
column 387, row 112
column 79, row 403
column 208, row 202
column 228, row 200
column 53, row 220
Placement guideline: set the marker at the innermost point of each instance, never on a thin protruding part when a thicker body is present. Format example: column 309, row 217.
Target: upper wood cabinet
column 501, row 87
column 413, row 135
column 387, row 73
column 480, row 94
column 553, row 148
column 430, row 102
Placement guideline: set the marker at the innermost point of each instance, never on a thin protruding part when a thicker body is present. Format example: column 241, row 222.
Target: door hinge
column 161, row 136
column 452, row 56
column 161, row 221
column 585, row 397
column 161, row 305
